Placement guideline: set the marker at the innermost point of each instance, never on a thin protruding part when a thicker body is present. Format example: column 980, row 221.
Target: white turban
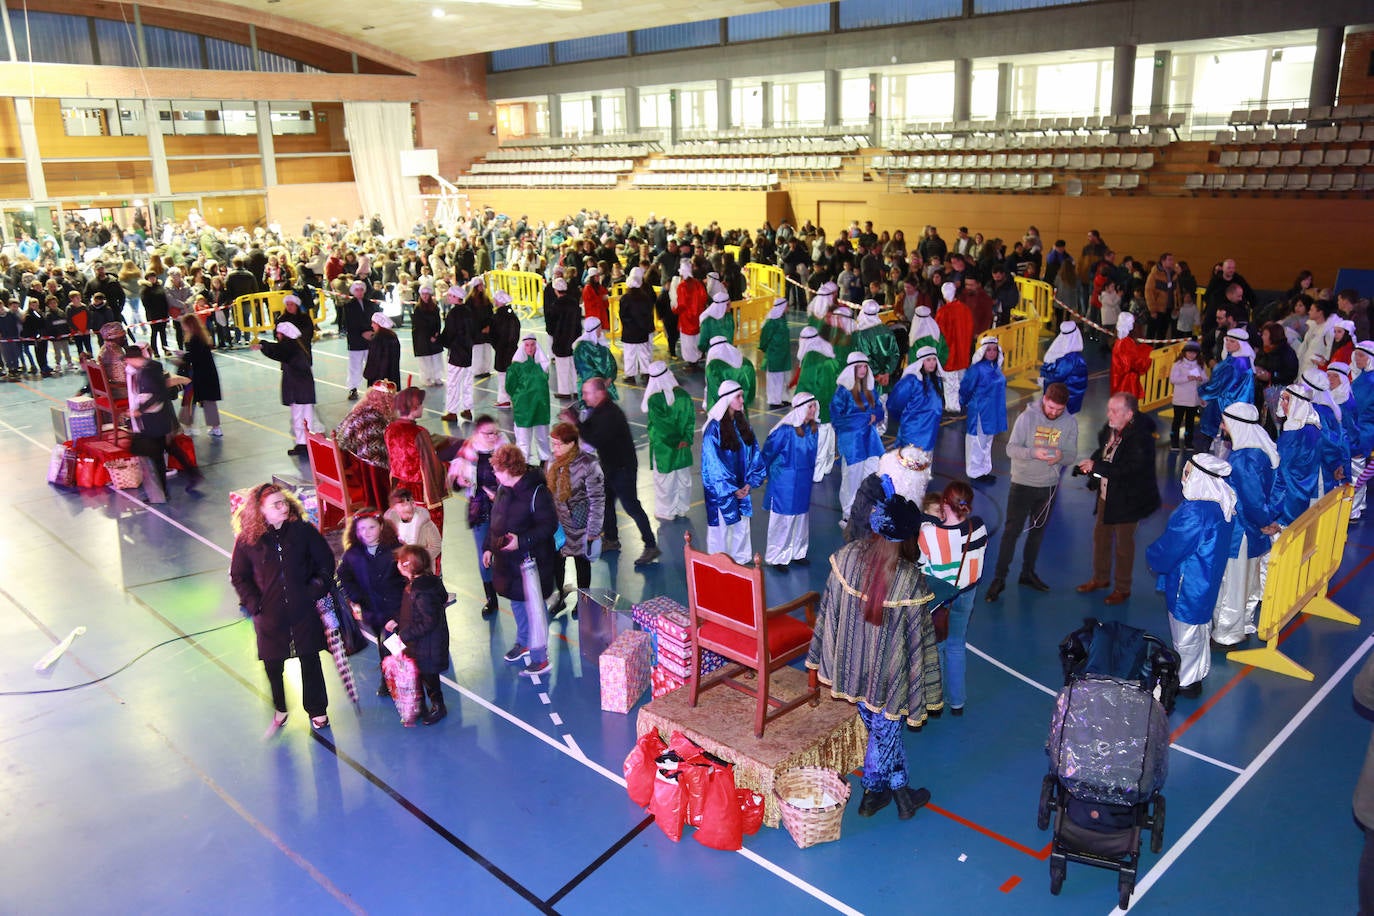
column 500, row 298
column 846, row 379
column 661, row 381
column 914, row 366
column 868, row 315
column 811, row 341
column 722, row 349
column 720, row 305
column 949, row 291
column 636, row 278
column 1299, row 412
column 591, row 332
column 981, row 352
column 1125, row 323
column 925, row 326
column 1242, row 339
column 801, row 401
column 291, row 299
column 560, row 285
column 1068, row 340
column 539, row 355
column 779, row 308
column 382, row 321
column 684, row 268
column 1242, row 422
column 1316, row 379
column 724, row 395
column 1204, row 478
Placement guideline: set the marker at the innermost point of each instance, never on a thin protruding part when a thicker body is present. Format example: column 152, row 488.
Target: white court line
column 570, row 748
column 1202, row 823
column 555, row 718
column 1054, row 693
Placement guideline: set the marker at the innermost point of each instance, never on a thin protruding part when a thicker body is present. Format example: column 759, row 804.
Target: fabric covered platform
column 828, row 735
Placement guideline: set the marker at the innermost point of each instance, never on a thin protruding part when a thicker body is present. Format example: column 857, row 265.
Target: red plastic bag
column 86, row 472
column 694, row 775
column 188, row 446
column 751, row 810
column 668, row 802
column 683, row 746
column 640, row 768
column 403, row 680
column 722, row 822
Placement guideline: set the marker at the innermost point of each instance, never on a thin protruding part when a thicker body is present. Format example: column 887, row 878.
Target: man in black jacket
column 637, row 326
column 113, row 294
column 605, row 429
column 1123, row 472
column 355, row 320
column 458, row 339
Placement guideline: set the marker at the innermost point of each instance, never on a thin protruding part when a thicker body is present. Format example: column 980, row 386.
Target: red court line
column 1042, row 854
column 1009, row 884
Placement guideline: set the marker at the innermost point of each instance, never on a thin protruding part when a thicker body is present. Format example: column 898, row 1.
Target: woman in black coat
column 504, row 338
column 368, row 574
column 297, row 380
column 426, row 337
column 423, row 626
column 523, row 520
column 154, row 299
column 383, row 362
column 200, row 368
column 280, row 567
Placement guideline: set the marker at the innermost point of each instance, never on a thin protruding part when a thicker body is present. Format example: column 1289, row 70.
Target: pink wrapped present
column 624, row 671
column 236, row 500
column 675, row 625
column 646, row 613
column 80, row 404
column 664, row 681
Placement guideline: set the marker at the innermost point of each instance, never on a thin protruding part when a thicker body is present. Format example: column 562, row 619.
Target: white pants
column 303, row 421
column 637, row 357
column 789, row 537
column 672, row 493
column 1195, row 655
column 733, row 540
column 482, row 357
column 775, row 386
column 825, row 452
column 565, row 375
column 356, row 359
column 540, row 438
column 431, row 370
column 977, row 454
column 1357, row 466
column 690, row 351
column 458, row 391
column 501, row 396
column 851, row 475
column 1242, row 587
column 951, row 381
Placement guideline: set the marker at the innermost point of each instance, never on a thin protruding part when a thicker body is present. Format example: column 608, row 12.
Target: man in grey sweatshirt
column 1043, row 442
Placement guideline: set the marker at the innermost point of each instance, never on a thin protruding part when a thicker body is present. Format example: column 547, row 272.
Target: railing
column 526, row 289
column 1302, row 561
column 256, row 312
column 765, row 280
column 1159, row 391
column 1020, row 343
column 1037, row 298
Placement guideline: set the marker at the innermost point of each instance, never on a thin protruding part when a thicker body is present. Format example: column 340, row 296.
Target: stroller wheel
column 1124, row 885
column 1157, row 825
column 1058, row 869
column 1042, row 817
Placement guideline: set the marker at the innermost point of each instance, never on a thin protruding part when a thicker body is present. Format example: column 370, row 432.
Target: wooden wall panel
column 329, row 135
column 53, row 142
column 192, row 175
column 729, row 208
column 291, row 205
column 314, row 169
column 10, row 145
column 247, row 210
column 86, row 180
column 211, row 146
column 14, row 181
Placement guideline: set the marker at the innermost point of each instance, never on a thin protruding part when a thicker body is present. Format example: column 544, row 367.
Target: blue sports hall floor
column 155, row 791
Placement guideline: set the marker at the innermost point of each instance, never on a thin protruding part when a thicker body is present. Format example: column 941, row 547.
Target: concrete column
column 674, row 117
column 724, row 104
column 1004, row 87
column 875, row 109
column 1326, row 66
column 766, row 94
column 267, row 144
column 28, row 141
column 598, row 126
column 162, row 181
column 140, row 42
column 963, row 88
column 632, row 109
column 832, row 99
column 254, row 54
column 555, row 104
column 1123, row 79
column 9, row 31
column 1159, row 87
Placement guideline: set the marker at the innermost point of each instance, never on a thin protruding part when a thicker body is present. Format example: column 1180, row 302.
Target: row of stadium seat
column 542, row 180
column 712, row 180
column 981, row 181
column 792, row 134
column 1075, row 161
column 1281, row 181
column 1165, row 120
column 650, row 138
column 1332, row 157
column 1319, row 113
column 505, row 154
column 1330, row 133
column 1156, row 139
column 536, row 168
column 751, row 164
column 763, row 148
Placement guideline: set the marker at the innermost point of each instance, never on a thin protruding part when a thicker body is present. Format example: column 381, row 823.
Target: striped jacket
column 954, row 551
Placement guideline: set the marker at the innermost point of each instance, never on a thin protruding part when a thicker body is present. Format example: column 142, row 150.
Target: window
column 655, row 110
column 928, row 97
column 983, row 95
column 867, row 14
column 854, row 100
column 116, row 43
column 290, row 118
column 597, row 47
column 85, row 118
column 795, row 20
column 675, row 37
column 1290, row 75
column 698, row 108
column 227, row 55
column 796, row 104
column 240, row 119
column 51, row 38
column 519, row 58
column 746, row 105
column 171, row 48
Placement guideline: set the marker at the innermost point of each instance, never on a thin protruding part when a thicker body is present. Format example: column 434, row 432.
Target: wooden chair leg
column 761, row 711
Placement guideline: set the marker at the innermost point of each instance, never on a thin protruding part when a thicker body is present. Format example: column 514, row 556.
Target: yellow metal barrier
column 257, row 312
column 1302, row 561
column 1037, row 298
column 764, row 280
column 732, row 251
column 1159, row 391
column 1020, row 343
column 750, row 315
column 613, row 332
column 526, row 289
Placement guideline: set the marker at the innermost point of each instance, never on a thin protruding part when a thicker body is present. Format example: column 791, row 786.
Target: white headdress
column 868, row 315
column 1068, row 340
column 1125, row 323
column 981, row 352
column 1204, row 478
column 1242, row 338
column 908, row 468
column 846, row 379
column 539, row 355
column 924, row 325
column 636, row 278
column 779, row 308
column 720, row 304
column 1299, row 412
column 591, row 332
column 661, row 381
column 811, row 341
column 1242, row 422
column 722, row 349
column 1316, row 379
column 801, row 401
column 724, row 395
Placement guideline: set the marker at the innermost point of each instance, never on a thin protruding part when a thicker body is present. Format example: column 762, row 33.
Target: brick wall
column 450, row 92
column 1357, row 83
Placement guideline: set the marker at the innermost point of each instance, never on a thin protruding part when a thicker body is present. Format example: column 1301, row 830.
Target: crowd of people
column 1273, row 405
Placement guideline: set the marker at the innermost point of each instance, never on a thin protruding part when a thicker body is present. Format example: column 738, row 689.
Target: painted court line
column 1181, row 845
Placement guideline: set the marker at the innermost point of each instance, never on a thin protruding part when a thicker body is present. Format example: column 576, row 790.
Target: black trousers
column 1184, row 418
column 1023, row 503
column 620, row 484
column 431, row 694
column 313, row 695
column 583, row 568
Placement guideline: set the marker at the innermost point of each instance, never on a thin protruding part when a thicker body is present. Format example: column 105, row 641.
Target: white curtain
column 377, row 133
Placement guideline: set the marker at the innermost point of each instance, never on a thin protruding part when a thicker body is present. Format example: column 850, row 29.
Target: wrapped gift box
column 237, row 498
column 647, row 612
column 662, row 681
column 80, row 404
column 675, row 625
column 624, row 671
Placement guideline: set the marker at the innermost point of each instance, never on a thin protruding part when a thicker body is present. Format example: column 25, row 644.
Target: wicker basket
column 125, row 473
column 811, row 825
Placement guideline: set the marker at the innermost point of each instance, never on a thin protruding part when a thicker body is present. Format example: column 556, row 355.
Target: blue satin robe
column 1252, row 478
column 918, row 404
column 1297, row 481
column 1232, row 380
column 1362, row 390
column 1072, row 370
column 1335, row 450
column 1190, row 559
column 856, row 438
column 723, row 472
column 983, row 396
column 791, row 461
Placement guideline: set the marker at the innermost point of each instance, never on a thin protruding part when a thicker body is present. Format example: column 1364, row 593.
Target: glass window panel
column 172, row 48
column 796, row 20
column 1225, row 82
column 1290, row 76
column 116, row 43
column 1058, row 90
column 674, row 37
column 596, row 47
column 930, row 96
column 1143, row 86
column 746, row 106
column 866, row 14
column 240, row 121
column 227, row 55
column 854, row 100
column 518, row 58
column 275, row 63
column 983, row 95
column 1006, row 6
column 51, row 38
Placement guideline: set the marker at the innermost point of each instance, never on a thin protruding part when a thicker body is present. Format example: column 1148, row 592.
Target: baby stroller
column 1108, row 747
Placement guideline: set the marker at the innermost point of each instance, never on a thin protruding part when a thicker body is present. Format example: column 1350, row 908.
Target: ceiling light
column 438, row 13
column 570, row 5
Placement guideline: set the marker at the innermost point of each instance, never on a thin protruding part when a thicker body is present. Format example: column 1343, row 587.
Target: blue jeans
column 954, row 650
column 526, row 630
column 479, row 534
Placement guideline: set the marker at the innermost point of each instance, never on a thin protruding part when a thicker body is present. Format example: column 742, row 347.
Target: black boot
column 873, row 802
column 437, row 710
column 909, row 800
column 489, row 608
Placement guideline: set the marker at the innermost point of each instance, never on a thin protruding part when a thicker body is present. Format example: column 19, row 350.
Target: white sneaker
column 216, row 432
